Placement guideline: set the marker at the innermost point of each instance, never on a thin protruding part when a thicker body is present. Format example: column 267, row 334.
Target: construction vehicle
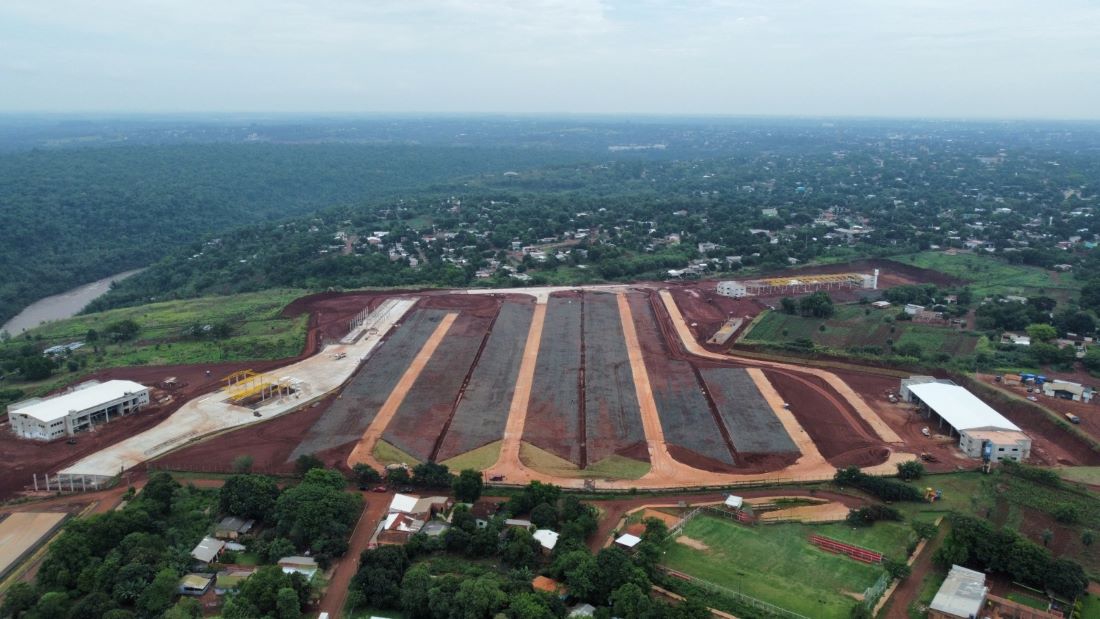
column 925, row 431
column 927, row 457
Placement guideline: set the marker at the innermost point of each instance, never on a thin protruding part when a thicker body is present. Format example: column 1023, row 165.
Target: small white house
column 547, row 538
column 628, row 541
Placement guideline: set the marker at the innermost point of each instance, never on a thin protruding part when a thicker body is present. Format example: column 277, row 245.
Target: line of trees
column 978, row 543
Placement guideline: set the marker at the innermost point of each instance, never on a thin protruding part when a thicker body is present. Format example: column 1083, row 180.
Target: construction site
column 614, row 386
column 800, row 284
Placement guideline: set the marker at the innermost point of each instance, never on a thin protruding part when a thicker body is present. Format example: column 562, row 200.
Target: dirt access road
column 336, row 593
column 885, row 433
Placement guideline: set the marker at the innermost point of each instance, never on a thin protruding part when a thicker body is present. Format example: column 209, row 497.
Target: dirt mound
column 637, row 451
column 862, row 457
column 698, row 460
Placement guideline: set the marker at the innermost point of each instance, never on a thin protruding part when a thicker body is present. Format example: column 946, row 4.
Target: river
column 64, row 305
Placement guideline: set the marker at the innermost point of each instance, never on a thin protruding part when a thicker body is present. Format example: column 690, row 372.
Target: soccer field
column 775, row 564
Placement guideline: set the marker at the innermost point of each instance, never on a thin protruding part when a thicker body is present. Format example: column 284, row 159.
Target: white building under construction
column 88, row 405
column 983, row 432
column 773, row 286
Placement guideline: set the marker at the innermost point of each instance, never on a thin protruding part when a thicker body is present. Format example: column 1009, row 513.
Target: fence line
column 679, row 526
column 875, row 591
column 221, row 469
column 737, row 595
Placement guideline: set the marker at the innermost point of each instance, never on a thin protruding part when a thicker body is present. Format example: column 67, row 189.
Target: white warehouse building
column 86, row 406
column 977, row 425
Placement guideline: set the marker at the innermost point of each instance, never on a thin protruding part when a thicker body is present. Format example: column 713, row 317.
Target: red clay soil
column 424, row 416
column 22, row 458
column 890, row 273
column 909, row 589
column 268, row 443
column 375, row 507
column 706, row 311
column 835, row 431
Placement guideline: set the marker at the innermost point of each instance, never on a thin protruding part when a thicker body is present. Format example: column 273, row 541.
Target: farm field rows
column 992, row 276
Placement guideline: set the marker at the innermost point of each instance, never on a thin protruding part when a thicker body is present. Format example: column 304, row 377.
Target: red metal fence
column 855, row 552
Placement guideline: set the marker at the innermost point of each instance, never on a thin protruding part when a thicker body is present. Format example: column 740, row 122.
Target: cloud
column 690, row 56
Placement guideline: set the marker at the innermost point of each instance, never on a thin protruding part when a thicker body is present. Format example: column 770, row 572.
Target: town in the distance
column 470, row 367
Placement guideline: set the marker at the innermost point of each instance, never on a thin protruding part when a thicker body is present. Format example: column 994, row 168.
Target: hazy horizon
column 934, row 59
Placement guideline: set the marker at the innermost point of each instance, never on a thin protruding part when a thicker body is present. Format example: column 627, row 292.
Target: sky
column 919, row 58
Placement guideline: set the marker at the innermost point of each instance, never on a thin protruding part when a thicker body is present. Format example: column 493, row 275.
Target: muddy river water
column 64, row 305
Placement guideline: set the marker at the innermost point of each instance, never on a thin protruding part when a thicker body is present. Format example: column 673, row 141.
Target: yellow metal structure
column 812, row 280
column 246, row 384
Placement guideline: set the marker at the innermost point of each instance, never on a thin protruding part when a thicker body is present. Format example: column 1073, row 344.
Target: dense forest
column 229, row 206
column 76, row 215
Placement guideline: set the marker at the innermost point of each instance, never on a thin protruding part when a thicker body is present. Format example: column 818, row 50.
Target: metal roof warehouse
column 88, row 405
column 983, row 432
column 960, row 408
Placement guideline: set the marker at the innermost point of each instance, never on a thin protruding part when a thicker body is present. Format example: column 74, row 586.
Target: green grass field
column 1028, row 600
column 989, row 275
column 851, row 326
column 1090, row 607
column 777, row 564
column 477, row 459
column 612, row 467
column 257, row 332
column 1083, row 474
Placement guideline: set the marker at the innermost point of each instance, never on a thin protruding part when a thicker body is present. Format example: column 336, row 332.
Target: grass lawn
column 1083, row 474
column 477, row 459
column 387, row 453
column 1028, row 600
column 248, row 558
column 889, row 538
column 612, row 467
column 852, row 326
column 776, row 564
column 1090, row 607
column 257, row 331
column 989, row 275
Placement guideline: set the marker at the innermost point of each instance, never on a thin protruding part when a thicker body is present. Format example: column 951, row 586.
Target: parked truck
column 1073, row 418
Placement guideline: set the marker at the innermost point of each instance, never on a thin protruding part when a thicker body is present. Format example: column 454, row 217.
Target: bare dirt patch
column 691, row 543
